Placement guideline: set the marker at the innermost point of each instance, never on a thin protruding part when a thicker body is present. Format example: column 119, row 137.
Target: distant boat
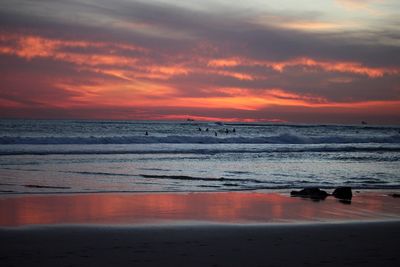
column 189, row 119
column 364, row 123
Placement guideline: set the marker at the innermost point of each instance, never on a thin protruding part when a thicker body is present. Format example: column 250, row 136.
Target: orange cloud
column 246, row 99
column 140, row 72
column 167, row 71
column 107, row 62
column 129, row 67
column 138, row 93
column 306, row 24
column 229, row 62
column 122, row 94
column 25, row 42
column 147, row 94
column 140, row 81
column 329, row 66
column 237, row 75
column 311, row 25
column 207, row 118
column 374, row 104
column 30, row 47
column 5, row 103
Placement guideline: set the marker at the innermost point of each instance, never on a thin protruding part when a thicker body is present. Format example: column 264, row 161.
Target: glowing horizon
column 335, row 62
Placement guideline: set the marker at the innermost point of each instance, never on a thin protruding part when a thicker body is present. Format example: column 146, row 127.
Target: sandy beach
column 345, row 244
column 198, row 229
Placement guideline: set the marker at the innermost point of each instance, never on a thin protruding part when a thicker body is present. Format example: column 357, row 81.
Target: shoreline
column 357, row 190
column 234, row 207
column 192, row 225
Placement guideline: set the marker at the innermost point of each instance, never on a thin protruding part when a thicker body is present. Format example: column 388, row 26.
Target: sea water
column 118, row 156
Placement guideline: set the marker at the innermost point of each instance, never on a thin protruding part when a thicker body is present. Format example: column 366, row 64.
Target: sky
column 300, row 61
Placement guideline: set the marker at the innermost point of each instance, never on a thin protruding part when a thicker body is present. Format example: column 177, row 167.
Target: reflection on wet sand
column 224, row 207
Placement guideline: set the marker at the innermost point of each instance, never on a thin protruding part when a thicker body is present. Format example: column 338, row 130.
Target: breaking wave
column 286, row 138
column 110, row 150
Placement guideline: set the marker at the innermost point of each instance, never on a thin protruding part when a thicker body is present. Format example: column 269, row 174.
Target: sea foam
column 285, row 138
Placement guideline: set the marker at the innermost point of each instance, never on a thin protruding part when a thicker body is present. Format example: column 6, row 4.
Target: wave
column 218, row 184
column 286, row 138
column 191, row 178
column 197, row 151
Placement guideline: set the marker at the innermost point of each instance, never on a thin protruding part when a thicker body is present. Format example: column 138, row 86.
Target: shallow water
column 189, row 208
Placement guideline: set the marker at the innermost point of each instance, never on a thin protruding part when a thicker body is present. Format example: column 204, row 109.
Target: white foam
column 286, row 138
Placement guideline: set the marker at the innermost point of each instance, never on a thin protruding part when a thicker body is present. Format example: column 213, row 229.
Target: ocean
column 68, row 156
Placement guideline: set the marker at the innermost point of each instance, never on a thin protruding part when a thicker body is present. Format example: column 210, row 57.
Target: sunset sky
column 333, row 61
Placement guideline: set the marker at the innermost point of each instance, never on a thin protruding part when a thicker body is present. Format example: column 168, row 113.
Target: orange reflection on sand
column 229, row 207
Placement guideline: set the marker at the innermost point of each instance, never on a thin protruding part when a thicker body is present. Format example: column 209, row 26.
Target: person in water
column 147, row 133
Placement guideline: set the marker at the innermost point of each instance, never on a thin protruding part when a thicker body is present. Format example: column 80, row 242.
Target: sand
column 327, row 244
column 198, row 229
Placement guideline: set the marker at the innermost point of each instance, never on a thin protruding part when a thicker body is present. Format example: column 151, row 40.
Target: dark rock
column 343, row 192
column 311, row 192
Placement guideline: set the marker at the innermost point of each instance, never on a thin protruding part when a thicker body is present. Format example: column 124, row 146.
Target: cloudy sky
column 331, row 61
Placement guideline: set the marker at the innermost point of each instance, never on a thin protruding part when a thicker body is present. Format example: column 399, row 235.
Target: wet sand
column 345, row 244
column 172, row 208
column 198, row 229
